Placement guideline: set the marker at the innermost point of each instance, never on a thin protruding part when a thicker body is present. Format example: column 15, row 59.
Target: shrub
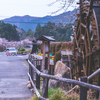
column 22, row 49
column 28, row 51
column 18, row 48
column 19, row 52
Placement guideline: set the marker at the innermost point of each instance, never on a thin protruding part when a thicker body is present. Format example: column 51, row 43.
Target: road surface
column 13, row 78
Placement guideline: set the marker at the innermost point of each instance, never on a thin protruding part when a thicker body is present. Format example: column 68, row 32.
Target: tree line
column 9, row 32
column 60, row 32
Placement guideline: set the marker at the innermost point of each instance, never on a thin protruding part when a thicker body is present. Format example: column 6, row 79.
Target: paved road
column 13, row 78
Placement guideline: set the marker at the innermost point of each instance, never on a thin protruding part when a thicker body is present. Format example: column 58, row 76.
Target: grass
column 56, row 94
column 35, row 97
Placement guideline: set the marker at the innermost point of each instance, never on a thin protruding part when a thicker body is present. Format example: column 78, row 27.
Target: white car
column 11, row 51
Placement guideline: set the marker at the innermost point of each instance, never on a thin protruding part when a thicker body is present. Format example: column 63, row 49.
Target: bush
column 22, row 49
column 18, row 48
column 28, row 51
column 19, row 52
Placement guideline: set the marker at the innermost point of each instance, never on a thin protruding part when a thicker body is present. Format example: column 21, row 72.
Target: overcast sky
column 39, row 8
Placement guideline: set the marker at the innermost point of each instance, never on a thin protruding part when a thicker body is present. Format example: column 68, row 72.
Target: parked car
column 11, row 51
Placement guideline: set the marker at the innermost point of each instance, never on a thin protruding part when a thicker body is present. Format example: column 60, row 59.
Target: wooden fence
column 37, row 69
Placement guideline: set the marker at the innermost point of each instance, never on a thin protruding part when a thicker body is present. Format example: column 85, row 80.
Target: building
column 66, row 57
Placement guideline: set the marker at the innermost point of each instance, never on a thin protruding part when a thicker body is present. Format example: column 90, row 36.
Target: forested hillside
column 38, row 26
column 8, row 31
column 30, row 22
column 60, row 32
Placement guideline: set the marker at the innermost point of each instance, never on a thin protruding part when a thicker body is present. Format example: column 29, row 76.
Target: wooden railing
column 83, row 85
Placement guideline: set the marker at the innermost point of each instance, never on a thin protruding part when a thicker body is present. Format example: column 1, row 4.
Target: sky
column 37, row 8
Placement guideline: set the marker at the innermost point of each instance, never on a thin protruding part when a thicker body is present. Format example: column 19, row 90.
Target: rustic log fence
column 84, row 86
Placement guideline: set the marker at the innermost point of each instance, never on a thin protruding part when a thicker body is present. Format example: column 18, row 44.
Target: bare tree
column 65, row 5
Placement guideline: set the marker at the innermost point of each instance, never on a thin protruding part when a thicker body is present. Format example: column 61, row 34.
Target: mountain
column 28, row 22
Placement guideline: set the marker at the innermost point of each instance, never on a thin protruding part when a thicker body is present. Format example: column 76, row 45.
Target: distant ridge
column 28, row 22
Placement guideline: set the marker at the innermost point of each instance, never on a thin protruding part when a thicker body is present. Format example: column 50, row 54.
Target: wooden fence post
column 83, row 90
column 45, row 85
column 30, row 68
column 99, row 95
column 38, row 78
column 41, row 64
column 51, row 70
column 30, row 71
column 33, row 73
column 45, row 80
column 46, row 63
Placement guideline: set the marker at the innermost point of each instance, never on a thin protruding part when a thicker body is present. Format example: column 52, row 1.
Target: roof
column 62, row 42
column 46, row 38
column 66, row 52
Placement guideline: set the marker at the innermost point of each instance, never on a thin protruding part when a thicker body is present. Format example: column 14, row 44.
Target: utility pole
column 20, row 39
